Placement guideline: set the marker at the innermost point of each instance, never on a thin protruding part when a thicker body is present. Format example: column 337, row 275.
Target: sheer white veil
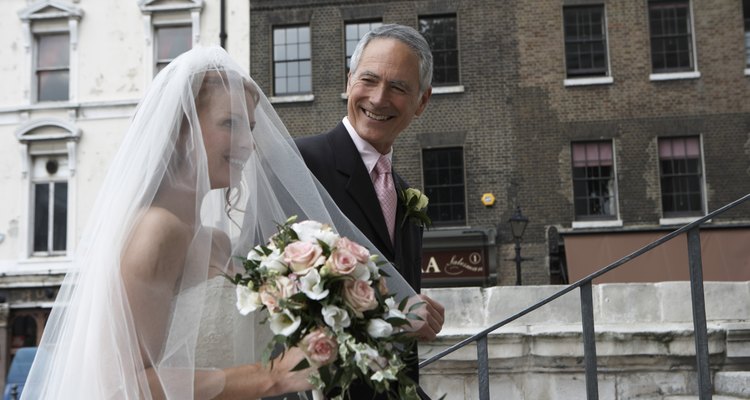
column 106, row 339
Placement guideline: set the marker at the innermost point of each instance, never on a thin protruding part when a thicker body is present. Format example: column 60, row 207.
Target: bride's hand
column 293, row 381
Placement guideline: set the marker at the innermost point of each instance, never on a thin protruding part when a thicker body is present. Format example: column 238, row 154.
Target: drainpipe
column 222, row 26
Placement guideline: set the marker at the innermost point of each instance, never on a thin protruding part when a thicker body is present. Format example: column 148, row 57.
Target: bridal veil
column 217, row 193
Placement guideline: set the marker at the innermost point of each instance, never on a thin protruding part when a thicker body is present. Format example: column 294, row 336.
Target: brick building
column 608, row 123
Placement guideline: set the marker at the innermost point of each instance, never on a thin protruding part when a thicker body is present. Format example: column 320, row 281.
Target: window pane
column 585, row 41
column 292, row 65
column 442, row 34
column 53, row 85
column 173, row 41
column 41, row 216
column 52, row 67
column 60, row 220
column 354, row 32
column 681, row 176
column 444, row 185
column 53, row 51
column 593, row 180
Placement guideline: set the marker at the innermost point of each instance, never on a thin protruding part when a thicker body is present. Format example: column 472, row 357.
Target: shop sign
column 454, row 263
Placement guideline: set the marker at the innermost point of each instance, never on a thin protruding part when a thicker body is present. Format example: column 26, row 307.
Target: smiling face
column 384, row 92
column 226, row 132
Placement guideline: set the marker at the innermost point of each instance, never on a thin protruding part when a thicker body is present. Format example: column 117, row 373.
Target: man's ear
column 423, row 100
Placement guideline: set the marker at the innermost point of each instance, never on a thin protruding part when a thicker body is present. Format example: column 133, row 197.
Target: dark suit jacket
column 335, row 161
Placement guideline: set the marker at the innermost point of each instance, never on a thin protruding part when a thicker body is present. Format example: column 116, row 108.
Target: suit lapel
column 359, row 185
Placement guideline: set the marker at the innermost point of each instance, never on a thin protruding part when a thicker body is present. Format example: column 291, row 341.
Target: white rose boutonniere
column 416, row 207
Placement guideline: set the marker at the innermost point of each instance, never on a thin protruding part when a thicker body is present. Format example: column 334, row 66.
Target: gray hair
column 406, row 35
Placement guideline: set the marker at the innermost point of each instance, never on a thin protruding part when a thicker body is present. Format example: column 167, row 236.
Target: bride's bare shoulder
column 159, row 238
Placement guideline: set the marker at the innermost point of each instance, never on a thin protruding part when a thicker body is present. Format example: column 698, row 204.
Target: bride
column 204, row 173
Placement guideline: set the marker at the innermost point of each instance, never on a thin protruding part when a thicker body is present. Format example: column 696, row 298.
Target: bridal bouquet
column 326, row 294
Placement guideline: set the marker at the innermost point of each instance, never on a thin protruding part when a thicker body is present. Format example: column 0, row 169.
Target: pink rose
column 360, row 296
column 302, row 256
column 320, row 348
column 281, row 288
column 342, row 262
column 269, row 296
column 360, row 252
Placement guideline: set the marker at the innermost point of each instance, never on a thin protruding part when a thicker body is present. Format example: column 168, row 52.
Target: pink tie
column 383, row 182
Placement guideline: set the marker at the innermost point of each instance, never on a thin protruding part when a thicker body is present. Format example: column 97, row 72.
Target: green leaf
column 301, row 365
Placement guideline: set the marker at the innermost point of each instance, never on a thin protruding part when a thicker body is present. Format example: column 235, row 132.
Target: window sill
column 604, row 80
column 679, row 220
column 448, row 89
column 747, row 71
column 302, row 98
column 615, row 223
column 674, row 76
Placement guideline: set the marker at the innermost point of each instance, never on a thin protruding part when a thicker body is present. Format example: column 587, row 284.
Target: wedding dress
column 146, row 312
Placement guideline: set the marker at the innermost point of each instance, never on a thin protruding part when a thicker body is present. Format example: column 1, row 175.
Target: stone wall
column 644, row 341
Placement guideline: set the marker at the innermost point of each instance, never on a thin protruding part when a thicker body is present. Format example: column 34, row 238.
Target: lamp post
column 518, row 224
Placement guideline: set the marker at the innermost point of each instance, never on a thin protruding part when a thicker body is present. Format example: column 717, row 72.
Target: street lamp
column 518, row 224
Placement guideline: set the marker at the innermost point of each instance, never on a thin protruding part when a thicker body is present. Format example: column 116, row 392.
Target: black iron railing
column 705, row 388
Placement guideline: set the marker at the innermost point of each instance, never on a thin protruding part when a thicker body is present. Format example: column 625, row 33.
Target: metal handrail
column 584, row 284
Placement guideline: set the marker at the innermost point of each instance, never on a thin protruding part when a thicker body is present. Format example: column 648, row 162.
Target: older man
column 388, row 86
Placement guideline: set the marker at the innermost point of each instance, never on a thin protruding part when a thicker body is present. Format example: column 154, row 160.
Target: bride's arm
column 151, row 266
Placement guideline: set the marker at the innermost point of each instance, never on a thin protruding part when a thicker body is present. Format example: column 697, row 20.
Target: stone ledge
column 733, row 384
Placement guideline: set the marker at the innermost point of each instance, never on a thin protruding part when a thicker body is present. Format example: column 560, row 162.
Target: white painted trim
column 448, row 89
column 674, row 76
column 679, row 220
column 603, row 80
column 302, row 98
column 616, row 223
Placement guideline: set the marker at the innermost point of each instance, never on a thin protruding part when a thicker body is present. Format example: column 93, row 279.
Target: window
column 53, row 66
column 291, row 59
column 442, row 35
column 681, row 177
column 173, row 28
column 354, row 32
column 444, row 185
column 49, row 149
column 594, row 190
column 50, row 32
column 50, row 205
column 585, row 42
column 171, row 41
column 671, row 36
column 746, row 16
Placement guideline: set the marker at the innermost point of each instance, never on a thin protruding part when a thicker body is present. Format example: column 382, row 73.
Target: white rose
column 362, row 273
column 312, row 286
column 377, row 328
column 335, row 317
column 274, row 262
column 247, row 300
column 312, row 231
column 393, row 311
column 284, row 323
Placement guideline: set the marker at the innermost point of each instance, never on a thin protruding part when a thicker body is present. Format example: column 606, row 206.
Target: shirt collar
column 368, row 153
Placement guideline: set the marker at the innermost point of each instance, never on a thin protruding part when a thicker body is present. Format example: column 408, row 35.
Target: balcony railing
column 705, row 388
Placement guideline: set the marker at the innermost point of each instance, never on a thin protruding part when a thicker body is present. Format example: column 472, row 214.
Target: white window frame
column 606, row 223
column 155, row 14
column 668, row 76
column 50, row 16
column 32, row 136
column 590, row 80
column 669, row 221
